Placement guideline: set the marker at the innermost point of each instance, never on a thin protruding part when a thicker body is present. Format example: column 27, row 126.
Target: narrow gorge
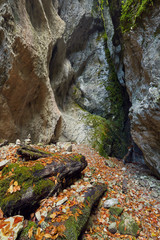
column 81, row 72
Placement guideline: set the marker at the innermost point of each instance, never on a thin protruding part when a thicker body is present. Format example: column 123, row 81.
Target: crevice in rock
column 51, row 64
column 57, row 130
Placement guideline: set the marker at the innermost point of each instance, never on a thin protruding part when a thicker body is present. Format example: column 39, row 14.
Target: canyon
column 69, row 74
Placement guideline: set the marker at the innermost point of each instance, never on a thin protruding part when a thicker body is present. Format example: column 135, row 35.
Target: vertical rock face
column 142, row 75
column 28, row 31
column 55, row 55
column 87, row 50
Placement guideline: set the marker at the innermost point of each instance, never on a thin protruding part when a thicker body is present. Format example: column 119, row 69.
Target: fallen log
column 22, row 187
column 27, row 153
column 76, row 223
column 67, row 226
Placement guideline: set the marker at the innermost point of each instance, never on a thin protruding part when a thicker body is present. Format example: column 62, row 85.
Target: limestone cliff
column 95, row 109
column 142, row 77
column 28, row 31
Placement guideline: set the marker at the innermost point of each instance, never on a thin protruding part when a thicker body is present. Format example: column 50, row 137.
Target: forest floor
column 141, row 198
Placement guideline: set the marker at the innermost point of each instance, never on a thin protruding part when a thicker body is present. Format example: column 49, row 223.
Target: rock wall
column 142, row 76
column 88, row 41
column 29, row 29
column 58, row 73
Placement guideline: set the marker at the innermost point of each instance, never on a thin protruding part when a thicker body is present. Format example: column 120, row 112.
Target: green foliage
column 98, row 8
column 132, row 10
column 117, row 115
column 99, row 131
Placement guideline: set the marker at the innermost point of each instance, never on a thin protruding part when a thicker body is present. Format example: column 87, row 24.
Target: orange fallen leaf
column 2, row 224
column 1, row 213
column 6, row 230
column 11, row 182
column 53, row 215
column 42, row 219
column 61, row 228
column 47, row 235
column 15, row 183
column 30, row 232
column 56, row 236
column 17, row 220
column 54, row 230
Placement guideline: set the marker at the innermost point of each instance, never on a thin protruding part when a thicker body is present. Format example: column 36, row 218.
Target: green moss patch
column 75, row 225
column 26, row 180
column 132, row 11
column 24, row 234
column 116, row 118
column 117, row 211
column 129, row 226
column 99, row 133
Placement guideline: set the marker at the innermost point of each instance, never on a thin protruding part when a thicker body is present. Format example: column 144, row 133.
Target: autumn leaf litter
column 139, row 200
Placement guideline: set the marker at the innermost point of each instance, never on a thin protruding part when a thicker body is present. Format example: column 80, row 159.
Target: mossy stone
column 117, row 211
column 129, row 226
column 112, row 218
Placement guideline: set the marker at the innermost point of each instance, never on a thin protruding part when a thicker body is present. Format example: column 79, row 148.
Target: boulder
column 112, row 227
column 110, row 202
column 128, row 226
column 109, row 163
column 3, row 164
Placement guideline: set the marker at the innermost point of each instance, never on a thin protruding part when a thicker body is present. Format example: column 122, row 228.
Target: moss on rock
column 117, row 211
column 129, row 226
column 116, row 118
column 99, row 133
column 132, row 11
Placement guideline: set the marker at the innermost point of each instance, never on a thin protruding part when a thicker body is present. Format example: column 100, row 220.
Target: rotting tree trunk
column 77, row 218
column 28, row 153
column 75, row 225
column 34, row 183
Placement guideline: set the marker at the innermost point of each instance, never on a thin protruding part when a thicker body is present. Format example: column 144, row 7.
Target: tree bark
column 35, row 185
column 28, row 153
column 71, row 228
